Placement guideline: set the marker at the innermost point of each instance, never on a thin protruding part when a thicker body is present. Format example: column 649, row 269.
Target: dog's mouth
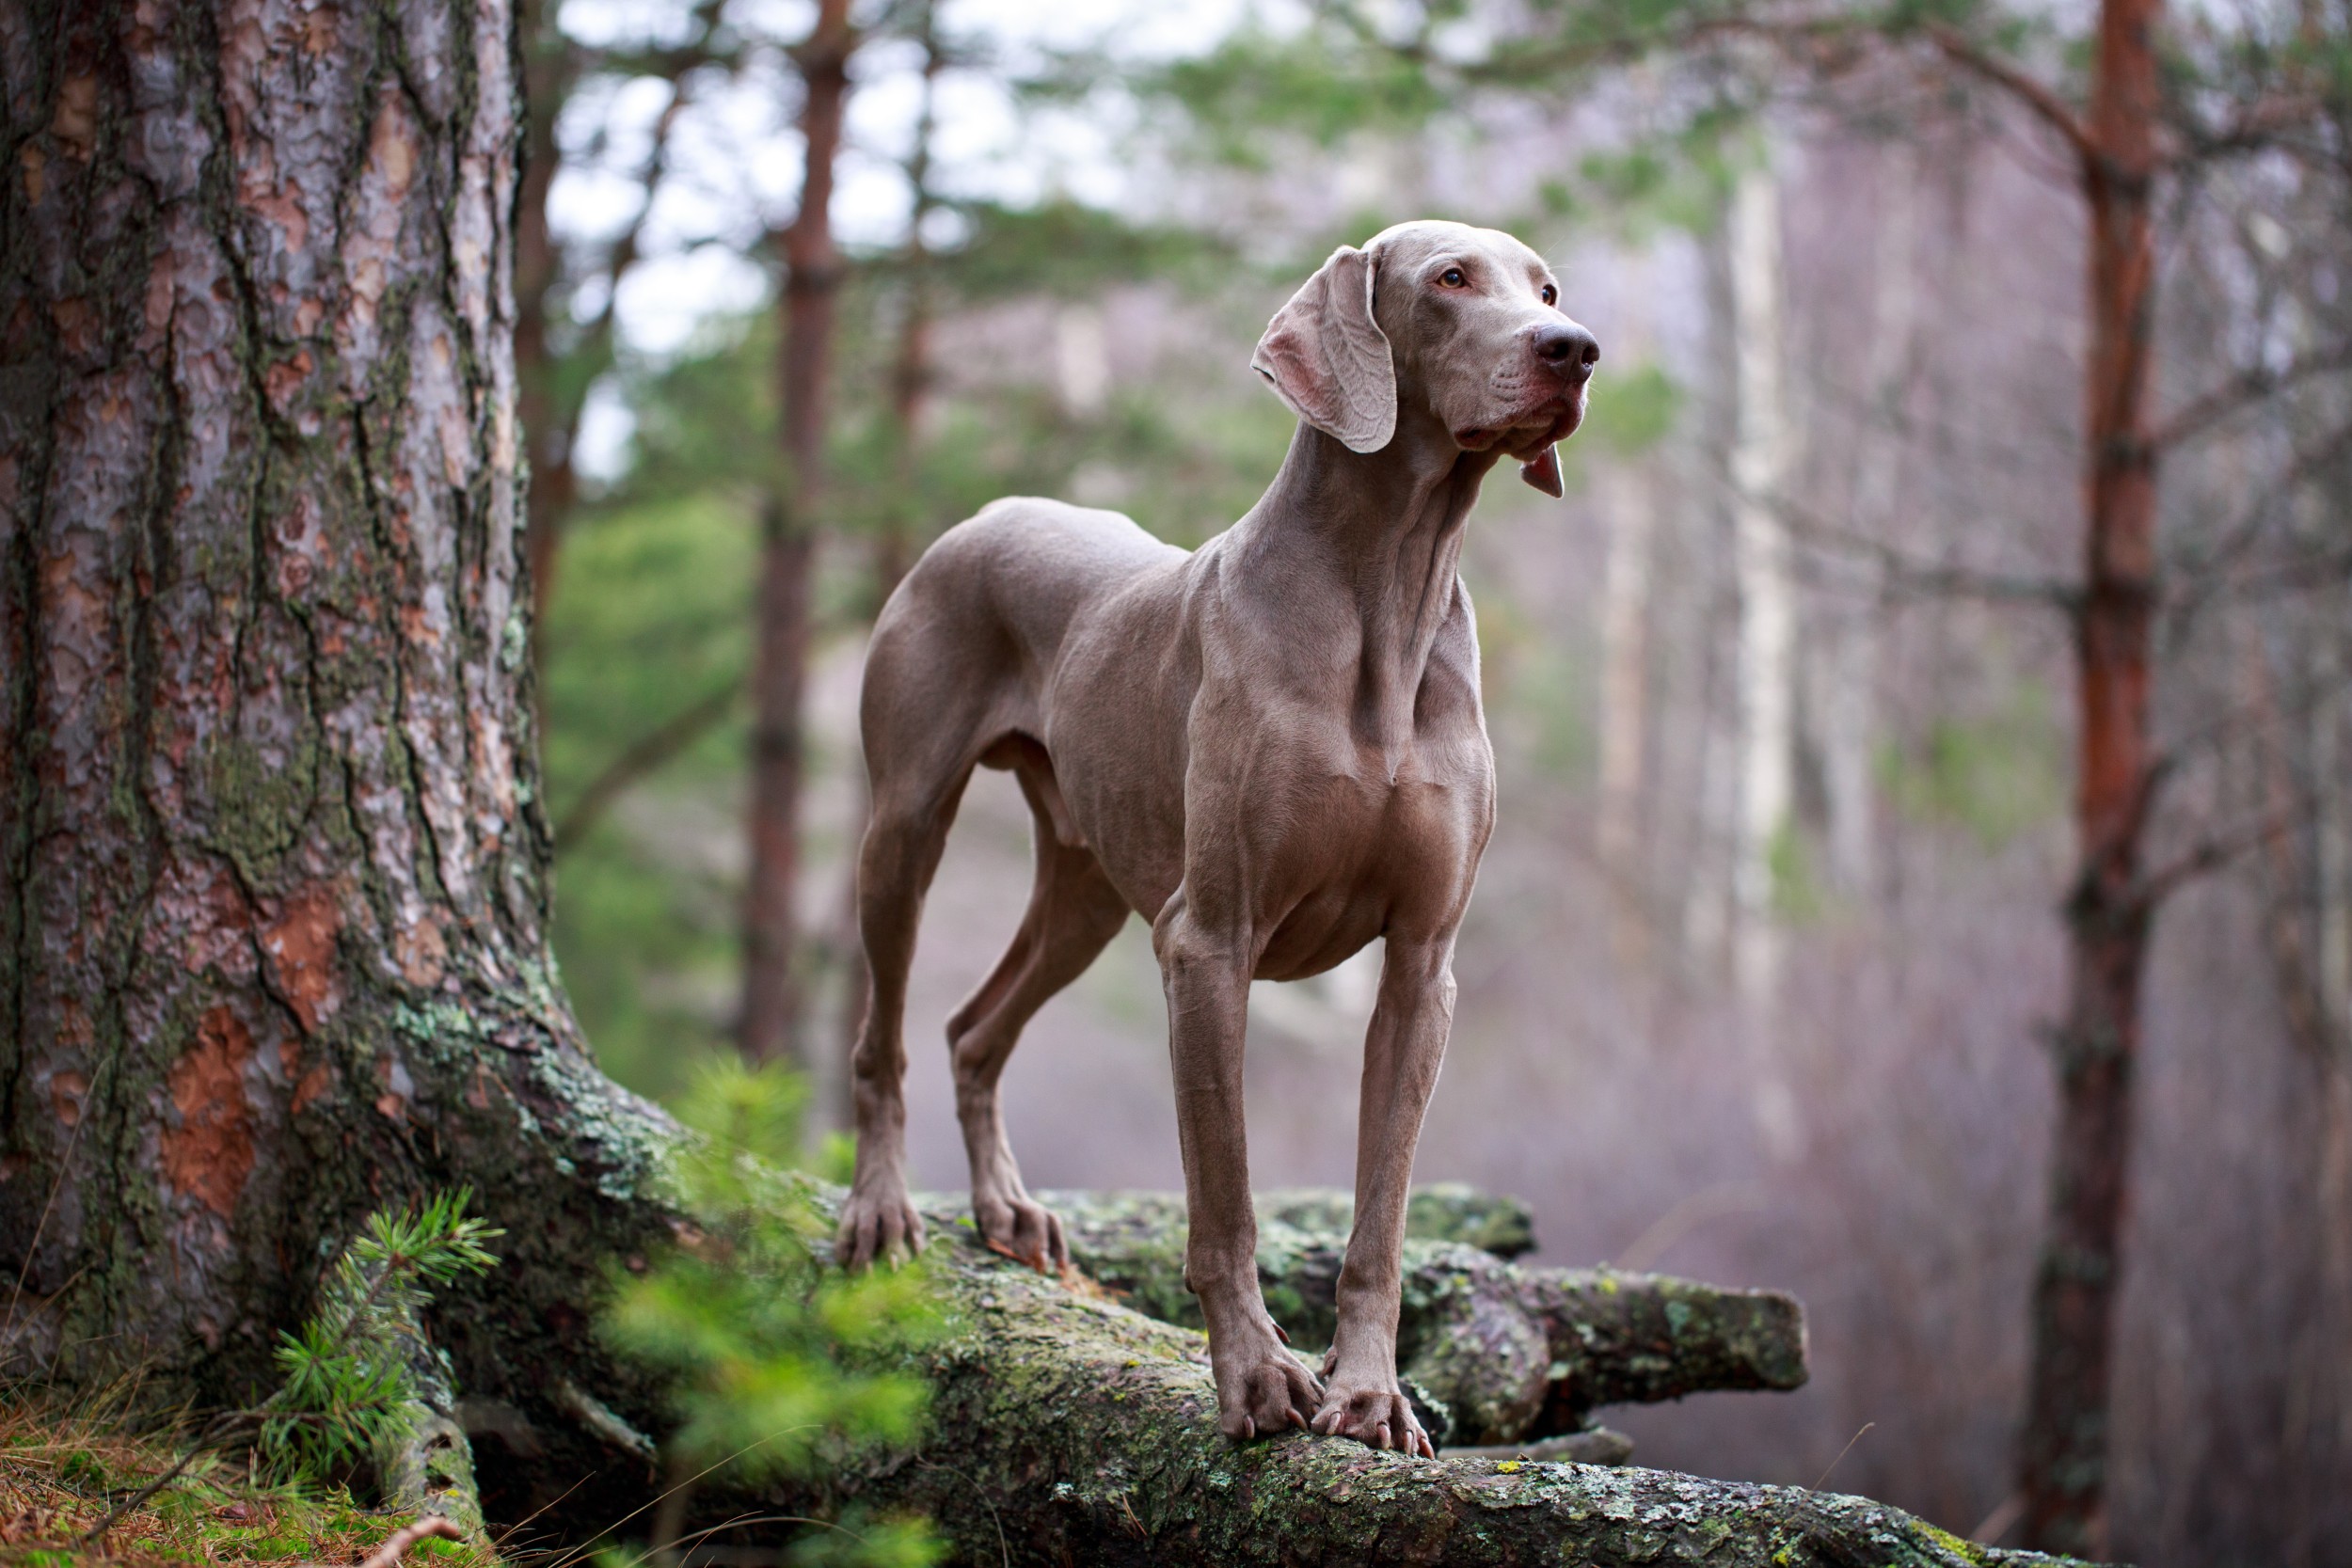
column 1530, row 437
column 1529, row 434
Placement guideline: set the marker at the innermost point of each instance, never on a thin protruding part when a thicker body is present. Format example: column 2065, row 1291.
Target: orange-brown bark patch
column 75, row 125
column 284, row 379
column 209, row 1153
column 66, row 1092
column 301, row 948
column 422, row 951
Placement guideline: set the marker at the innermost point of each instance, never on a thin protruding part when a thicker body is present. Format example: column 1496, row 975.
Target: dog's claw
column 877, row 1228
column 1377, row 1417
column 1023, row 1230
column 1273, row 1393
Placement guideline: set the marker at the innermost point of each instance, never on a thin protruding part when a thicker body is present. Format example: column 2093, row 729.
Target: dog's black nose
column 1570, row 349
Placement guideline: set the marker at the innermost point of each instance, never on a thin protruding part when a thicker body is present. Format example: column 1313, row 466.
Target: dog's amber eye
column 1451, row 278
column 1551, row 295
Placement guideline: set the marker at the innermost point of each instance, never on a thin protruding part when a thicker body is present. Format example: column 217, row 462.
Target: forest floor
column 63, row 1465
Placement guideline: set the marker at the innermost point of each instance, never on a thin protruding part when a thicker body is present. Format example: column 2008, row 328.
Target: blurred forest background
column 1760, row 982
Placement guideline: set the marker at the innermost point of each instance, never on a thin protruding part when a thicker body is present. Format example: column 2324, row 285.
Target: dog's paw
column 877, row 1227
column 1021, row 1228
column 1265, row 1392
column 1375, row 1413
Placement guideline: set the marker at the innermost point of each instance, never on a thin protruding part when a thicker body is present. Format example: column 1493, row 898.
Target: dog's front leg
column 1261, row 1387
column 1362, row 1398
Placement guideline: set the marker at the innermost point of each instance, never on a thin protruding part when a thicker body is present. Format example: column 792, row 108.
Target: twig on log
column 432, row 1526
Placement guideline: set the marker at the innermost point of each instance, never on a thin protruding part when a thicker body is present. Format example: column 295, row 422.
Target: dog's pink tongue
column 1543, row 472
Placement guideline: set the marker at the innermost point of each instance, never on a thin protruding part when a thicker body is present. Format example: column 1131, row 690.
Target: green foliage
column 651, row 615
column 775, row 1360
column 1064, row 248
column 1324, row 85
column 1675, row 168
column 1633, row 410
column 1995, row 776
column 349, row 1382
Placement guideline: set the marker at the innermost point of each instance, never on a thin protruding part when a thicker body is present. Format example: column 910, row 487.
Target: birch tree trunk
column 1628, row 507
column 1759, row 466
column 770, row 1017
column 1628, row 501
column 1760, row 547
column 1705, row 912
column 1849, row 705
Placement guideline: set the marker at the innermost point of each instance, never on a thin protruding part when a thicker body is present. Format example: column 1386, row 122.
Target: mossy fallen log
column 1513, row 1354
column 1069, row 1428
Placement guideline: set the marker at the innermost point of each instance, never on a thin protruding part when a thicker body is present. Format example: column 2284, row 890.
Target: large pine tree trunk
column 272, row 871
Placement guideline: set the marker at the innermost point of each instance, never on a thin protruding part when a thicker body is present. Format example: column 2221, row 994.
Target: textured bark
column 771, row 1002
column 1513, row 1354
column 2064, row 1450
column 272, row 922
column 1072, row 1429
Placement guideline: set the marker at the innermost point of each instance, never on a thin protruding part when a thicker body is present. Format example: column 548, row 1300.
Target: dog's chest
column 1351, row 834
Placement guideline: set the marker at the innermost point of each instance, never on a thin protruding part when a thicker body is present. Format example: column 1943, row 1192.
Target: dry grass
column 65, row 1462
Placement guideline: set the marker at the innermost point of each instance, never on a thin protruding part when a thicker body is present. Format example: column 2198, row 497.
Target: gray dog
column 1271, row 748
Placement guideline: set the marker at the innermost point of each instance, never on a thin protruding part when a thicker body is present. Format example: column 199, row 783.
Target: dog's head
column 1462, row 322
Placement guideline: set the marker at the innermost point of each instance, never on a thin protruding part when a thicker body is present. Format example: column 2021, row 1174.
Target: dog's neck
column 1381, row 531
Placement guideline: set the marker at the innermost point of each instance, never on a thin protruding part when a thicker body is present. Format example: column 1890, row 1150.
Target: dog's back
column 969, row 637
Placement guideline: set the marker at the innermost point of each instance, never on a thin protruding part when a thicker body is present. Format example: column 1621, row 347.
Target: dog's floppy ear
column 1328, row 358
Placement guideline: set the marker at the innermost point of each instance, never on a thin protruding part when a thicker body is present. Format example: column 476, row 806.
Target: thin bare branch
column 2211, row 854
column 2034, row 94
column 643, row 757
column 1926, row 578
column 2243, row 392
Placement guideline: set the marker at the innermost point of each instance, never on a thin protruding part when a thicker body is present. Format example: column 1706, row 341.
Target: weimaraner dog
column 1271, row 748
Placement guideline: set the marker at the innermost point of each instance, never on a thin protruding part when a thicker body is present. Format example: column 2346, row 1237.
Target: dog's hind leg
column 1074, row 913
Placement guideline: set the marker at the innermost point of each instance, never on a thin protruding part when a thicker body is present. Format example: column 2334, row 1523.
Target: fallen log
column 1511, row 1353
column 1069, row 1428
